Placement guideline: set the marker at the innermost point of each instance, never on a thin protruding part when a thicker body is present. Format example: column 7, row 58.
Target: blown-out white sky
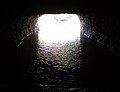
column 55, row 28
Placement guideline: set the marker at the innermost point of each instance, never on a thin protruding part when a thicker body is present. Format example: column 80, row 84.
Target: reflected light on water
column 55, row 28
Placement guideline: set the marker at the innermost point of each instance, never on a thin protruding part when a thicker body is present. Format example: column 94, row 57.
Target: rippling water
column 52, row 64
column 55, row 66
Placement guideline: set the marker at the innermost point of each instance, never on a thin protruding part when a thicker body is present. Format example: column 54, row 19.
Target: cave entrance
column 57, row 28
column 59, row 40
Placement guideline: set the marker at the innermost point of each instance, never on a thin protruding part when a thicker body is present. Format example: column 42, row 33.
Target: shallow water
column 55, row 64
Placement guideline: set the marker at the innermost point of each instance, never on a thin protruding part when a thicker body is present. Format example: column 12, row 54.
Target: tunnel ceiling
column 10, row 10
column 19, row 6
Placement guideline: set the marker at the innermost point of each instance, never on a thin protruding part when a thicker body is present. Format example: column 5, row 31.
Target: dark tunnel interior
column 89, row 65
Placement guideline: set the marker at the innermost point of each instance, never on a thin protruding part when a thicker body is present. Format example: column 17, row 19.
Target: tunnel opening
column 59, row 39
column 54, row 28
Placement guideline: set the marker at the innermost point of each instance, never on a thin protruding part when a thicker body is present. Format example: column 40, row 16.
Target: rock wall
column 105, row 30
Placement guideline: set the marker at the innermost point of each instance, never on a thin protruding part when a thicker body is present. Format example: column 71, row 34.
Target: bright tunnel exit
column 55, row 28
